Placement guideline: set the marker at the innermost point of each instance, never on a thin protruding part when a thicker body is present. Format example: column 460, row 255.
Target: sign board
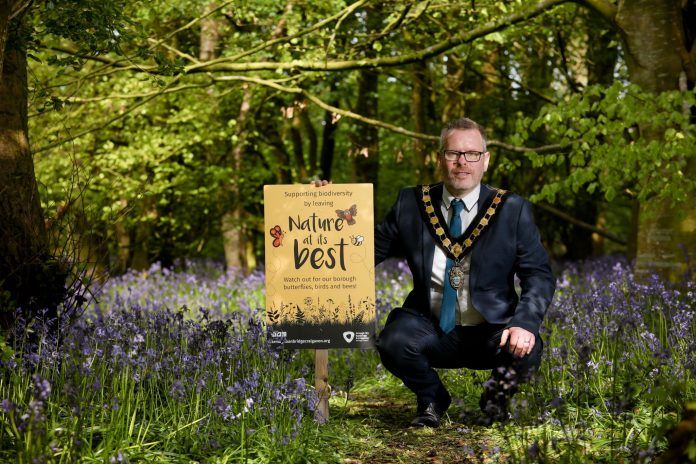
column 320, row 271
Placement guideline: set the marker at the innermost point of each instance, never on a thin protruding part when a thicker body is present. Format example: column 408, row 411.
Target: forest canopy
column 153, row 126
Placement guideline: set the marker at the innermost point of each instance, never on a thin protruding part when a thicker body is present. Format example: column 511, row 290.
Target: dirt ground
column 390, row 439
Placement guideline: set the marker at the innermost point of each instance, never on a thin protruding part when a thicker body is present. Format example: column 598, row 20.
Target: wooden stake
column 321, row 384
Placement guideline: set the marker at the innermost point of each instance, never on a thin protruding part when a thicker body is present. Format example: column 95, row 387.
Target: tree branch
column 389, row 61
column 486, row 76
column 70, row 50
column 579, row 223
column 605, row 8
column 121, row 63
column 389, row 28
column 277, row 85
column 175, row 51
column 375, row 122
column 229, row 64
column 135, row 96
column 553, row 148
column 105, row 124
column 572, row 83
column 19, row 8
column 340, row 15
column 191, row 23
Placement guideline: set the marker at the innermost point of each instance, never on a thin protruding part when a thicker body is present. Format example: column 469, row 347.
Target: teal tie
column 449, row 294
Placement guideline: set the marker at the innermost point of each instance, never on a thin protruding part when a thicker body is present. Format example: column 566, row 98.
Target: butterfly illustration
column 277, row 234
column 347, row 214
column 357, row 240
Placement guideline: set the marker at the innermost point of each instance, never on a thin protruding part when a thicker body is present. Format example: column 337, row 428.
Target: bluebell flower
column 42, row 388
column 7, row 406
column 534, row 450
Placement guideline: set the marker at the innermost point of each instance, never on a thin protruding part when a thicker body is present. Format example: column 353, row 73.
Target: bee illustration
column 348, row 214
column 357, row 240
column 277, row 234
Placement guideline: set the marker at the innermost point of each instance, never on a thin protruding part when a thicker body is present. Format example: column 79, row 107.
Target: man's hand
column 320, row 183
column 521, row 341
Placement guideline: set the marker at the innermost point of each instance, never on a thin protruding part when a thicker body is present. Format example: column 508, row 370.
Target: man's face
column 461, row 176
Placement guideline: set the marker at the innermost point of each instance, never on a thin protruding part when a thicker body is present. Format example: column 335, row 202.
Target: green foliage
column 618, row 140
column 6, row 351
column 151, row 140
column 94, row 27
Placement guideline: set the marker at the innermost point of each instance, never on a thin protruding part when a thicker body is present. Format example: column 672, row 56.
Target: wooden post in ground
column 321, row 384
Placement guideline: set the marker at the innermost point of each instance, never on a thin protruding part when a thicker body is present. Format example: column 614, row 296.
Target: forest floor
column 382, row 421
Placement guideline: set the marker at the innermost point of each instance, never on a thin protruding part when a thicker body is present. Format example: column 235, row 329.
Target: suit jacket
column 509, row 246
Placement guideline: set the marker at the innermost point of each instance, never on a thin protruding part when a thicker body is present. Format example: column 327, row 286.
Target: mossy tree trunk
column 29, row 278
column 659, row 50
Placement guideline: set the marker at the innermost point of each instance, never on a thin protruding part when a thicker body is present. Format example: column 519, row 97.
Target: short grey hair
column 461, row 124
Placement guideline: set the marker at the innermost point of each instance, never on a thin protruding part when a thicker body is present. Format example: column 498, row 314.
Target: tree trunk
column 232, row 238
column 311, row 134
column 656, row 47
column 601, row 60
column 366, row 152
column 421, row 110
column 123, row 241
column 210, row 36
column 599, row 64
column 297, row 143
column 328, row 139
column 140, row 256
column 453, row 105
column 28, row 277
column 233, row 234
column 5, row 9
column 365, row 149
column 233, row 231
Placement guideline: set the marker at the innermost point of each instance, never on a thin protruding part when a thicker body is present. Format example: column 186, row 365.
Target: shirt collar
column 470, row 199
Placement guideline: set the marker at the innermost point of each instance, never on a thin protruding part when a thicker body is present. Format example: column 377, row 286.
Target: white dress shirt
column 466, row 314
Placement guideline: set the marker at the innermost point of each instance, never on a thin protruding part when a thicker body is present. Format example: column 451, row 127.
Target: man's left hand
column 521, row 341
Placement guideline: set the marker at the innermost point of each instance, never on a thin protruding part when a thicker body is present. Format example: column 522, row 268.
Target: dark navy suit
column 411, row 343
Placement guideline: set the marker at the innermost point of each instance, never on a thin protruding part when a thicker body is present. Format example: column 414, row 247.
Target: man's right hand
column 320, row 183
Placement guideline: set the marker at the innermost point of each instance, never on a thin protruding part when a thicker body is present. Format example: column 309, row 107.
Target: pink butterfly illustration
column 277, row 234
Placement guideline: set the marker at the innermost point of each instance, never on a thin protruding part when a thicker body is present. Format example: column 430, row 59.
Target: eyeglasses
column 469, row 156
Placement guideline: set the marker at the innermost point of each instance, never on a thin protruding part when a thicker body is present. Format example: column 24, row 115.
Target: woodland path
column 389, row 439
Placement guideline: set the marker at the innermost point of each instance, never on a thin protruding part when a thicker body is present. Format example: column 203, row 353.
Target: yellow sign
column 320, row 265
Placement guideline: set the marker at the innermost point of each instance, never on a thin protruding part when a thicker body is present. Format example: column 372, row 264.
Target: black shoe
column 430, row 416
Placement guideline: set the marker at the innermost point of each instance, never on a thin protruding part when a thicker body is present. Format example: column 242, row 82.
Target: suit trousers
column 412, row 345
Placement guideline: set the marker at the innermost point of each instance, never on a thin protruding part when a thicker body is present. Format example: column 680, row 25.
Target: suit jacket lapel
column 436, row 196
column 426, row 235
column 485, row 197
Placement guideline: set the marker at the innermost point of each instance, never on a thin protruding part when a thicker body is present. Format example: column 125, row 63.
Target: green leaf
column 496, row 37
column 610, row 193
